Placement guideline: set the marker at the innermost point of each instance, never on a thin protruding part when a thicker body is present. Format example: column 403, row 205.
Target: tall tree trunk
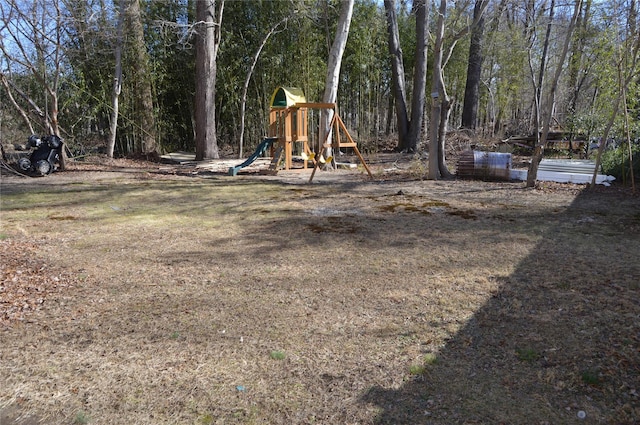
column 539, row 149
column 529, row 31
column 117, row 82
column 333, row 67
column 576, row 76
column 207, row 43
column 441, row 104
column 389, row 123
column 414, row 136
column 474, row 69
column 542, row 71
column 409, row 129
column 445, row 111
column 51, row 86
column 145, row 120
column 439, row 100
column 577, row 72
column 397, row 74
column 627, row 131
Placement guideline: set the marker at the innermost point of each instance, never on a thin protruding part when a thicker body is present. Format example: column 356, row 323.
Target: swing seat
column 324, row 161
column 308, row 157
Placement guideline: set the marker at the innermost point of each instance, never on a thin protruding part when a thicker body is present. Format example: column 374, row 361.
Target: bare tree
column 117, row 81
column 208, row 31
column 397, row 72
column 539, row 82
column 6, row 83
column 577, row 68
column 245, row 88
column 627, row 70
column 441, row 104
column 333, row 68
column 144, row 117
column 33, row 46
column 474, row 68
column 414, row 137
column 539, row 148
column 409, row 130
column 440, row 100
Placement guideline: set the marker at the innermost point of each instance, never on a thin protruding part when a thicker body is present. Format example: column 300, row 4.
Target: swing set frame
column 290, row 125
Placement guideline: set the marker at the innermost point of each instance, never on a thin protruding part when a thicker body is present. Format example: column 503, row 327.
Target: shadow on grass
column 560, row 341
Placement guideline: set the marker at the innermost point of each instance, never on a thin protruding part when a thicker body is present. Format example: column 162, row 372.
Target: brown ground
column 138, row 293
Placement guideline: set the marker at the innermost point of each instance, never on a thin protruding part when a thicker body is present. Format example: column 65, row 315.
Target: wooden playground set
column 289, row 132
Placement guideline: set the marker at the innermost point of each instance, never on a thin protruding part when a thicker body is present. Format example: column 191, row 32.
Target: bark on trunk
column 117, row 83
column 474, row 68
column 207, row 42
column 438, row 97
column 397, row 74
column 146, row 141
column 539, row 149
column 419, row 75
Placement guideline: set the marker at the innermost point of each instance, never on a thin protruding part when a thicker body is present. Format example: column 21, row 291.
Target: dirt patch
column 187, row 296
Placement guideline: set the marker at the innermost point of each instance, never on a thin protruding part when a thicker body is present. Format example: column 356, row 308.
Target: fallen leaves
column 26, row 280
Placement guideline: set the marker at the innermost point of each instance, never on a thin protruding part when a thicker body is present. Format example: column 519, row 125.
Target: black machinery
column 44, row 156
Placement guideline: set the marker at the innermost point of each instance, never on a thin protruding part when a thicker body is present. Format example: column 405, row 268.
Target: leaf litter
column 26, row 281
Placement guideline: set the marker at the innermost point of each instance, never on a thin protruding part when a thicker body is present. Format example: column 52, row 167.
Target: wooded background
column 59, row 75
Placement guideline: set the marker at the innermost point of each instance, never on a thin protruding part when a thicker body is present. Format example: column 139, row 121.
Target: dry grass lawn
column 141, row 296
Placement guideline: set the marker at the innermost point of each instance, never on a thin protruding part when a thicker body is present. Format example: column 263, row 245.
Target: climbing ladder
column 278, row 159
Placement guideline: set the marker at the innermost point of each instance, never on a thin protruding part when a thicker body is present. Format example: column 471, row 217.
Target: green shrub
column 615, row 162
